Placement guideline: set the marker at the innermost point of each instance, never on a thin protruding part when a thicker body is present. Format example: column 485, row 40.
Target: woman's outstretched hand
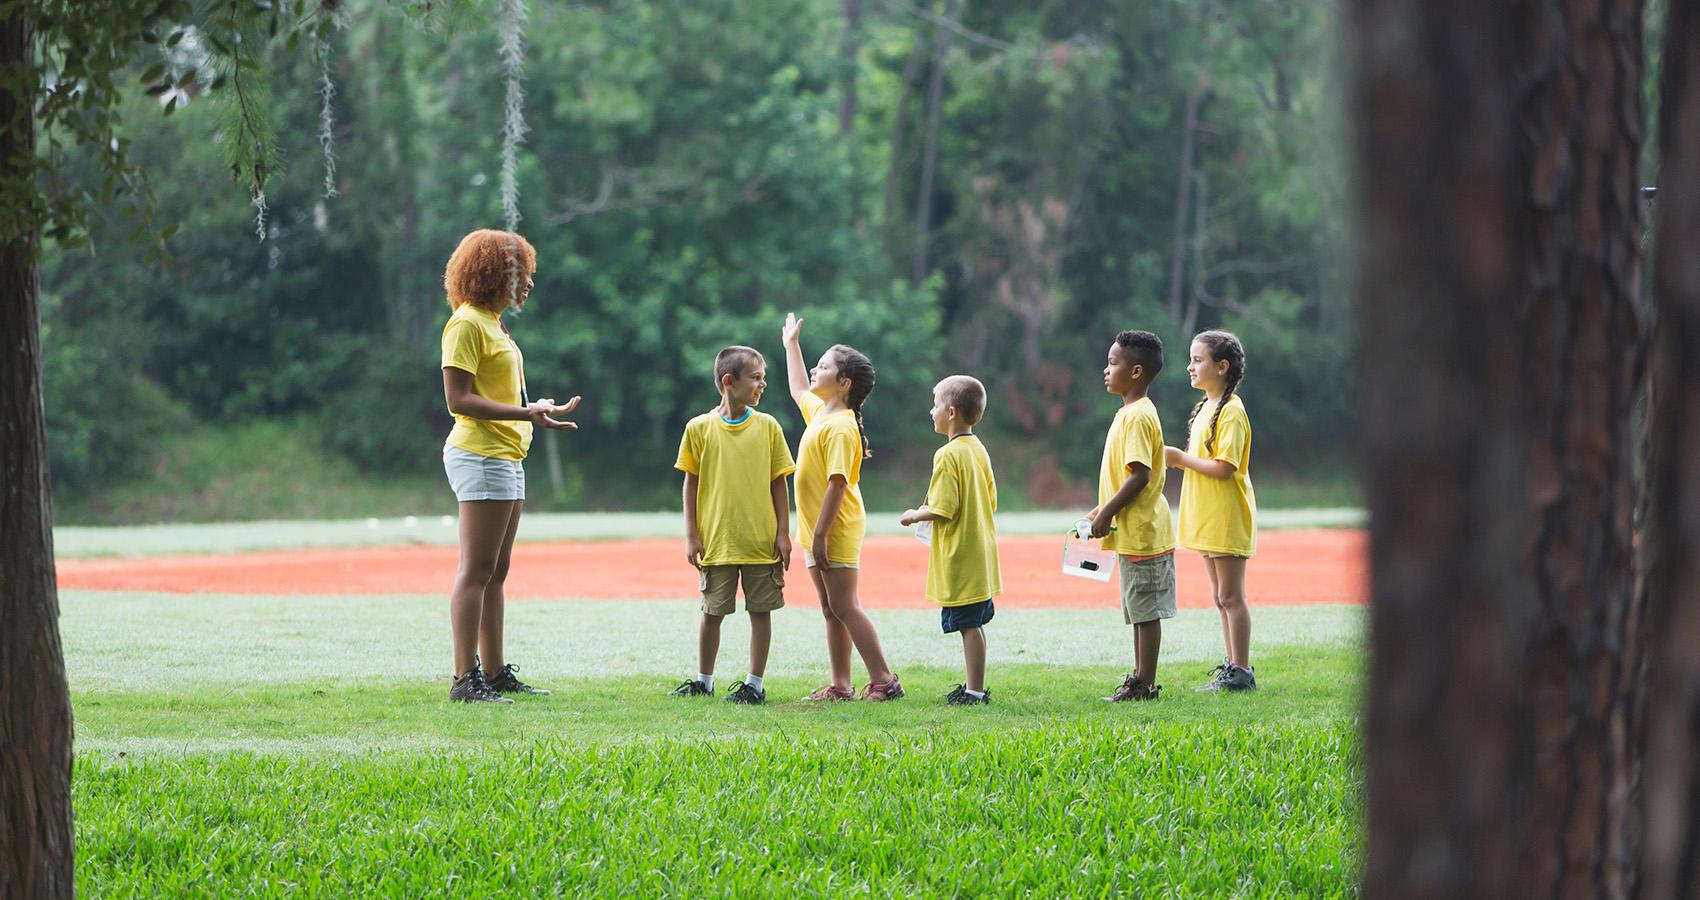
column 543, row 411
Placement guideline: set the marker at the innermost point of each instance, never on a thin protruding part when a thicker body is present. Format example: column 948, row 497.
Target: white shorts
column 475, row 477
column 809, row 562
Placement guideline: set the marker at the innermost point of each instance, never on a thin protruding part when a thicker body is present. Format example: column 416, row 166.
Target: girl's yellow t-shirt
column 1219, row 515
column 831, row 445
column 473, row 341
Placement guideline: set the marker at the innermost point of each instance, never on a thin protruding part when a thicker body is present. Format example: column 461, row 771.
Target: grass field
column 272, row 745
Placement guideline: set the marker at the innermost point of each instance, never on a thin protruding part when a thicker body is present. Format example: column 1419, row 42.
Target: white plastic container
column 924, row 532
column 1083, row 558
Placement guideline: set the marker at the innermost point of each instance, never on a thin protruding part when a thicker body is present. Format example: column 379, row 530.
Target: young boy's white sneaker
column 691, row 688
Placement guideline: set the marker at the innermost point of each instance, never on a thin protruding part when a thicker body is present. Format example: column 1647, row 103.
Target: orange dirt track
column 1291, row 568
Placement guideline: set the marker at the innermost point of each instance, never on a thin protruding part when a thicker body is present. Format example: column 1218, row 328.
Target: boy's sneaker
column 959, row 696
column 1132, row 689
column 506, row 682
column 691, row 687
column 742, row 692
column 1232, row 680
column 828, row 693
column 471, row 688
column 880, row 691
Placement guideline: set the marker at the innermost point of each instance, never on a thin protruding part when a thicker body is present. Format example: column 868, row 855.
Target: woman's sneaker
column 691, row 687
column 1132, row 689
column 959, row 696
column 880, row 691
column 470, row 687
column 506, row 682
column 743, row 692
column 830, row 693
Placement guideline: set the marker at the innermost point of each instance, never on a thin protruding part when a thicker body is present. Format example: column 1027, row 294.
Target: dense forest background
column 993, row 188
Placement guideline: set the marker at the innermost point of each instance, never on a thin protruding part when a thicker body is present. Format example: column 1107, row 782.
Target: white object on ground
column 411, row 521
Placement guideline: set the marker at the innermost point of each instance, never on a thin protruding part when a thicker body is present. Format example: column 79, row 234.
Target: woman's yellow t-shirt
column 1219, row 515
column 473, row 341
column 962, row 564
column 831, row 445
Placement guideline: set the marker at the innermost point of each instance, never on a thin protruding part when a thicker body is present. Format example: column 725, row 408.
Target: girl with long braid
column 830, row 515
column 1218, row 517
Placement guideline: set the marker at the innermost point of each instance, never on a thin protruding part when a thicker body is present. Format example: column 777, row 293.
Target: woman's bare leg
column 494, row 613
column 483, row 527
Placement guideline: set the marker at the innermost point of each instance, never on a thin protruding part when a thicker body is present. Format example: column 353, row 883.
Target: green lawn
column 262, row 746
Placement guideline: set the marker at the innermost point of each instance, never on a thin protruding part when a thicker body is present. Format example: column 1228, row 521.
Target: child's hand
column 1172, row 457
column 817, row 549
column 911, row 516
column 792, row 331
column 694, row 551
column 782, row 548
column 542, row 410
column 1101, row 523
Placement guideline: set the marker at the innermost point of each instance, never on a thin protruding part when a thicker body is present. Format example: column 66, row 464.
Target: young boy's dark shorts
column 972, row 615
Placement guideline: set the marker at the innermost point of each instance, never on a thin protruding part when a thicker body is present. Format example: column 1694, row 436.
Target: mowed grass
column 270, row 746
column 1077, row 808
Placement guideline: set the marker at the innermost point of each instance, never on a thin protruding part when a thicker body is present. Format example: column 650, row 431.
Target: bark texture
column 35, row 710
column 1497, row 211
column 1670, row 788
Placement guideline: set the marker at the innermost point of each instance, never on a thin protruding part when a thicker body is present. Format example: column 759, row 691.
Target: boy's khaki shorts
column 1148, row 588
column 764, row 588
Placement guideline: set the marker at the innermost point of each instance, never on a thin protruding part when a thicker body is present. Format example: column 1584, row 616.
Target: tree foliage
column 687, row 179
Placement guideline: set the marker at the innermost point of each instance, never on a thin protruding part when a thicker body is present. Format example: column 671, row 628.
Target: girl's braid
column 856, row 366
column 1224, row 346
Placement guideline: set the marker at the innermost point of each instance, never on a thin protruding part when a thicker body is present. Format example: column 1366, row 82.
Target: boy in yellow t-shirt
column 962, row 560
column 736, row 509
column 1132, row 515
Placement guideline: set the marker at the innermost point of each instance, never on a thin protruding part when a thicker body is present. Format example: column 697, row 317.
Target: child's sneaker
column 1132, row 689
column 1216, row 675
column 880, row 691
column 743, row 692
column 691, row 688
column 471, row 688
column 959, row 696
column 1233, row 679
column 828, row 693
column 506, row 682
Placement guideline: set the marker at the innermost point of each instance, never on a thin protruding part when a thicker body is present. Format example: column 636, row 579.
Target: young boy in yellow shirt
column 736, row 517
column 1132, row 515
column 962, row 561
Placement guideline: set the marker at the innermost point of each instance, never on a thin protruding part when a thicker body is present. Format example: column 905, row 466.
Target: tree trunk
column 1670, row 540
column 930, row 155
column 1183, row 197
column 35, row 710
column 894, row 167
column 852, row 45
column 1495, row 157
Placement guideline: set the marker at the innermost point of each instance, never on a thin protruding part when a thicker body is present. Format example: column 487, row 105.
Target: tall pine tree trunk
column 1670, row 541
column 35, row 710
column 1497, row 210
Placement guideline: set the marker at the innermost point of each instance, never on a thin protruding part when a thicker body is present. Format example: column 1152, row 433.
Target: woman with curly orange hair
column 484, row 384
